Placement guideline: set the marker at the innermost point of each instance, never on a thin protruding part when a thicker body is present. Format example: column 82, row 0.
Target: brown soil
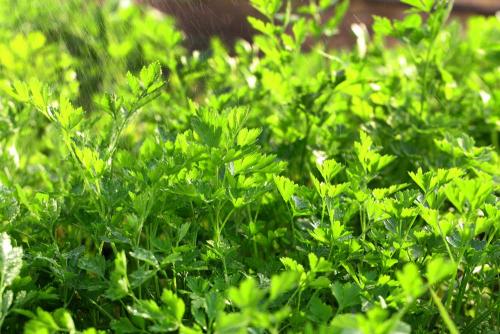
column 201, row 19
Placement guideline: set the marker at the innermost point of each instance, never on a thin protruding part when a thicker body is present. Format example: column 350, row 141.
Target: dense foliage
column 277, row 186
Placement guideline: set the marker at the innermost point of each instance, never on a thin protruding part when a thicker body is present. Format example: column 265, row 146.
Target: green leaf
column 347, row 295
column 285, row 186
column 329, row 169
column 347, row 322
column 267, row 7
column 11, row 261
column 229, row 323
column 60, row 321
column 147, row 309
column 123, row 326
column 340, row 12
column 371, row 161
column 64, row 320
column 93, row 264
column 134, row 84
column 39, row 95
column 319, row 265
column 248, row 295
column 183, row 230
column 382, row 26
column 299, row 32
column 150, row 74
column 283, row 283
column 173, row 305
column 247, row 137
column 90, row 160
column 320, row 282
column 411, row 281
column 292, row 265
column 438, row 269
column 140, row 276
column 423, row 5
column 209, row 134
column 21, row 91
column 259, row 25
column 9, row 205
column 118, row 285
column 41, row 324
column 146, row 256
column 69, row 116
column 165, row 318
column 318, row 311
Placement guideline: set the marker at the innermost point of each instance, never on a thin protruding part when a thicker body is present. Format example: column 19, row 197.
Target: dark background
column 201, row 19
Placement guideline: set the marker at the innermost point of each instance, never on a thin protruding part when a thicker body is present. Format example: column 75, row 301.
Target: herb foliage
column 278, row 186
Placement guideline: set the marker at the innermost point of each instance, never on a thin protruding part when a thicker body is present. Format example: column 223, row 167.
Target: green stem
column 461, row 291
column 102, row 310
column 293, row 230
column 452, row 281
column 444, row 314
column 304, row 148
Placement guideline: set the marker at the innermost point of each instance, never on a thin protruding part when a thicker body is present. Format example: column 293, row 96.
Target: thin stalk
column 461, row 291
column 293, row 230
column 450, row 254
column 323, row 210
column 444, row 314
column 216, row 221
column 224, row 222
column 293, row 294
column 451, row 284
column 174, row 278
column 304, row 147
column 362, row 220
column 254, row 242
column 102, row 310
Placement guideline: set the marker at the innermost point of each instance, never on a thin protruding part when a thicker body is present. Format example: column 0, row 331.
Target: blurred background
column 201, row 19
